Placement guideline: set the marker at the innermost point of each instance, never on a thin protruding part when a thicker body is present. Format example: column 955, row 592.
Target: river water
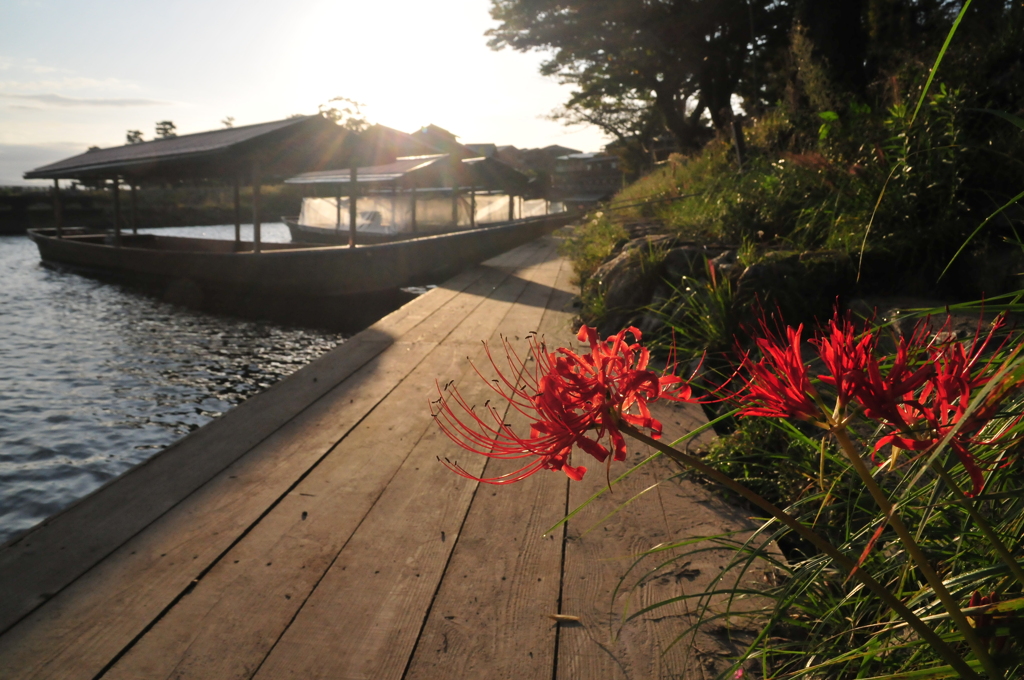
column 95, row 377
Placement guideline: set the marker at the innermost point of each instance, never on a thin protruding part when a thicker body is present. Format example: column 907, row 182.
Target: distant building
column 485, row 150
column 442, row 141
column 585, row 178
column 544, row 160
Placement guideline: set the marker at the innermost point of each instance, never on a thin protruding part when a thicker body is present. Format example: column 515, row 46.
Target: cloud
column 16, row 159
column 62, row 101
column 28, row 65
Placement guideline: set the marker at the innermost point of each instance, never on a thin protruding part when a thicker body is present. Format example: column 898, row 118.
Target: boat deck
column 312, row 533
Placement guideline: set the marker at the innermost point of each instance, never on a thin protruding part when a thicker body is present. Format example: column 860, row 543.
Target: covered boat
column 411, row 196
column 257, row 153
column 284, row 269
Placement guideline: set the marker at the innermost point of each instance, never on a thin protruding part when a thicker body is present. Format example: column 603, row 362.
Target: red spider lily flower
column 778, row 386
column 943, row 404
column 571, row 398
column 881, row 396
column 844, row 355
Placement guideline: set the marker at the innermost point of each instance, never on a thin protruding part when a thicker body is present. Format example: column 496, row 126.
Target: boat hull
column 304, row 233
column 286, row 269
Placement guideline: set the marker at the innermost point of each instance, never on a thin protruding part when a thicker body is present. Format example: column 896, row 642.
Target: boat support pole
column 472, row 207
column 413, row 200
column 255, row 207
column 337, row 211
column 511, row 207
column 117, row 211
column 238, row 212
column 135, row 210
column 353, row 179
column 58, row 218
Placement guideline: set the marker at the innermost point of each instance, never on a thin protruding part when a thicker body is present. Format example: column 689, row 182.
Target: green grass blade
column 938, row 60
column 979, row 228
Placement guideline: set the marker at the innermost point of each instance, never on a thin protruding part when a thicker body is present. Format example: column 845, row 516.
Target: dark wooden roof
column 282, row 148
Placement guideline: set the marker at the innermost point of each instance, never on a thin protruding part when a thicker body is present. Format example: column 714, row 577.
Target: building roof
column 491, row 173
column 426, row 171
column 589, row 156
column 389, row 172
column 216, row 153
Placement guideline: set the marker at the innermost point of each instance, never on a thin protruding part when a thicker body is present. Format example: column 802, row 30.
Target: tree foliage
column 668, row 63
column 348, row 113
column 133, row 137
column 166, row 129
column 642, row 68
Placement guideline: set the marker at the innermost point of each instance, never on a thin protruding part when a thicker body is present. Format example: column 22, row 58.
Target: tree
column 133, row 137
column 228, row 122
column 679, row 58
column 348, row 113
column 165, row 129
column 634, row 124
column 839, row 41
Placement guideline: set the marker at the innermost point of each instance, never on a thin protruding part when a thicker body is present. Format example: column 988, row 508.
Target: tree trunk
column 676, row 119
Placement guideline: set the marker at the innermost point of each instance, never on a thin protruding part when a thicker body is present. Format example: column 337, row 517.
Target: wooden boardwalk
column 311, row 532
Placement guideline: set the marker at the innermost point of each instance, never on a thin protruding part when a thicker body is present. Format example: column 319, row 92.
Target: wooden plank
column 364, row 617
column 600, row 551
column 38, row 564
column 489, row 618
column 438, row 326
column 242, row 605
column 597, row 555
column 73, row 640
column 226, row 626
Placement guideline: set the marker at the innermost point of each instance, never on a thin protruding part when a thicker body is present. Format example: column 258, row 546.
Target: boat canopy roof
column 405, row 168
column 434, row 171
column 272, row 151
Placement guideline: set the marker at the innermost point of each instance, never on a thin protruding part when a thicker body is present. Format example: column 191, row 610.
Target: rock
column 727, row 266
column 652, row 242
column 692, row 261
column 862, row 309
column 726, row 258
column 685, row 261
column 989, row 271
column 804, row 287
column 653, row 319
column 634, row 281
column 772, row 274
column 626, row 286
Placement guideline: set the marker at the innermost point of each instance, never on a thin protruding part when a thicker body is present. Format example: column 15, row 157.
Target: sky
column 76, row 74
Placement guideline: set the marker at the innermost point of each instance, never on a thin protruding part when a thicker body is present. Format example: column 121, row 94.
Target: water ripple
column 97, row 378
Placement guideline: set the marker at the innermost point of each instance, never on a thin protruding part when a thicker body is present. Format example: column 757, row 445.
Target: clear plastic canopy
column 391, row 214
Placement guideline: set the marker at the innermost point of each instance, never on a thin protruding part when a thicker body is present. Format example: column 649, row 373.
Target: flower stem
column 922, row 629
column 962, row 624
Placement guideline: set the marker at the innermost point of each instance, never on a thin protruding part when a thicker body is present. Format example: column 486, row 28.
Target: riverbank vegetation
column 796, row 157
